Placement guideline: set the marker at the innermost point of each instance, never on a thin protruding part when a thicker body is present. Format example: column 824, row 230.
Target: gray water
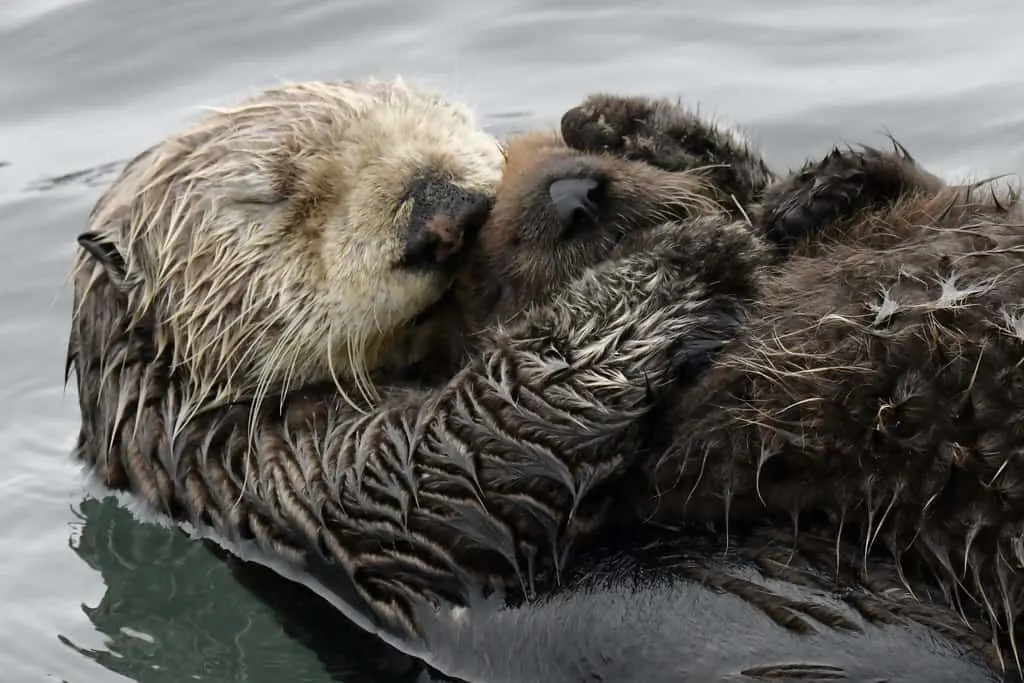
column 89, row 594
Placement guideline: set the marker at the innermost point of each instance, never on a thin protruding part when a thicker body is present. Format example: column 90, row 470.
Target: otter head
column 296, row 237
column 559, row 211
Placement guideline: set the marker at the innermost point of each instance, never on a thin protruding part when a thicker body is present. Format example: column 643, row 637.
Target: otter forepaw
column 669, row 136
column 838, row 187
column 694, row 280
column 614, row 124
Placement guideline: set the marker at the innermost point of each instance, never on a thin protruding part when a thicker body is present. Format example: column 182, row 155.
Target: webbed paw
column 838, row 187
column 669, row 136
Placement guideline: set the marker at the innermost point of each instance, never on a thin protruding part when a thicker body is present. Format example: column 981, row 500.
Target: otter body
column 664, row 608
column 492, row 479
column 380, row 496
column 876, row 387
column 292, row 238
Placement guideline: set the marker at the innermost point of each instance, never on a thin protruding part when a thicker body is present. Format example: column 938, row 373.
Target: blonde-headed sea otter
column 295, row 236
column 488, row 480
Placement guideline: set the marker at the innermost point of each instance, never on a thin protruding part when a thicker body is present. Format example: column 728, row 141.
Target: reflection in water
column 176, row 609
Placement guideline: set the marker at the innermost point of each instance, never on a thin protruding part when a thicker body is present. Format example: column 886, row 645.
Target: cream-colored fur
column 265, row 238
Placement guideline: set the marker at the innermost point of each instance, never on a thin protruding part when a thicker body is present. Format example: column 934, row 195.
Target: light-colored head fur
column 265, row 240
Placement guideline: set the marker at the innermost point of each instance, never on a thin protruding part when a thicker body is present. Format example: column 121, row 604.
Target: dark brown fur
column 670, row 137
column 879, row 382
column 877, row 385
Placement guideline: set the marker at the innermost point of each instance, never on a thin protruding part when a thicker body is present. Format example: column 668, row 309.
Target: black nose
column 575, row 201
column 444, row 216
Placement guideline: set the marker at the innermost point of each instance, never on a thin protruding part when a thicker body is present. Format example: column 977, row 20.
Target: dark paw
column 837, row 188
column 695, row 353
column 669, row 136
column 605, row 123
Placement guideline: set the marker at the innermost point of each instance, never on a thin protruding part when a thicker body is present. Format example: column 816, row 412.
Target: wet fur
column 875, row 387
column 482, row 481
column 267, row 243
column 877, row 383
column 672, row 137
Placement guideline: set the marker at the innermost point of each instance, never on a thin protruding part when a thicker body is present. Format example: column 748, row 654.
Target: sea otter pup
column 877, row 382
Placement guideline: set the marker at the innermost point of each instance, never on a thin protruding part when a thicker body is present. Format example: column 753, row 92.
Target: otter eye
column 575, row 200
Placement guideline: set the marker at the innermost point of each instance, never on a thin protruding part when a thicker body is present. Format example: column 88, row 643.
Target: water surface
column 90, row 594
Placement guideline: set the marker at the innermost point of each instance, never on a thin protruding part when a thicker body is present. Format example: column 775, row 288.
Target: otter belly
column 675, row 607
column 670, row 612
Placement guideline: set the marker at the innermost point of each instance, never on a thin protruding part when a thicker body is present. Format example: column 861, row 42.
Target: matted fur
column 265, row 242
column 876, row 385
column 424, row 496
column 671, row 136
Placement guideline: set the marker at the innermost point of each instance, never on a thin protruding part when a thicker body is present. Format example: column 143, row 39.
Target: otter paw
column 669, row 136
column 698, row 277
column 839, row 186
column 653, row 314
column 608, row 123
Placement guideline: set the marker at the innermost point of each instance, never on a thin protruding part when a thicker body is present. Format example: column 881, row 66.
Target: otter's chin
column 429, row 314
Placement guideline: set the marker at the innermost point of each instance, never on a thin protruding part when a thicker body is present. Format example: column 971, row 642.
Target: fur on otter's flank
column 888, row 399
column 482, row 479
column 294, row 237
column 876, row 385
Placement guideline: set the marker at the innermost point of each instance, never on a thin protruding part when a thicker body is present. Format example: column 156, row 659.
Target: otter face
column 559, row 211
column 295, row 237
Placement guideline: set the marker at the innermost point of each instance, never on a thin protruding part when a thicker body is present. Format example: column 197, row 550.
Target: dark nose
column 434, row 240
column 575, row 201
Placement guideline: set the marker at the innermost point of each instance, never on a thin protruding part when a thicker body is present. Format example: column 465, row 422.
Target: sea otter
column 300, row 236
column 431, row 497
column 876, row 384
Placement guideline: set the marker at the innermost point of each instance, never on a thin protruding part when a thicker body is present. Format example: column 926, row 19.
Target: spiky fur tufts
column 875, row 388
column 265, row 241
column 383, row 497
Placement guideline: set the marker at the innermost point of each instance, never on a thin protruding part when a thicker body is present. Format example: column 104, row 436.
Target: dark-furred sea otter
column 486, row 482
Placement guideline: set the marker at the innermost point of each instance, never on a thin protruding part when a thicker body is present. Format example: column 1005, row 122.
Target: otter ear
column 107, row 255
